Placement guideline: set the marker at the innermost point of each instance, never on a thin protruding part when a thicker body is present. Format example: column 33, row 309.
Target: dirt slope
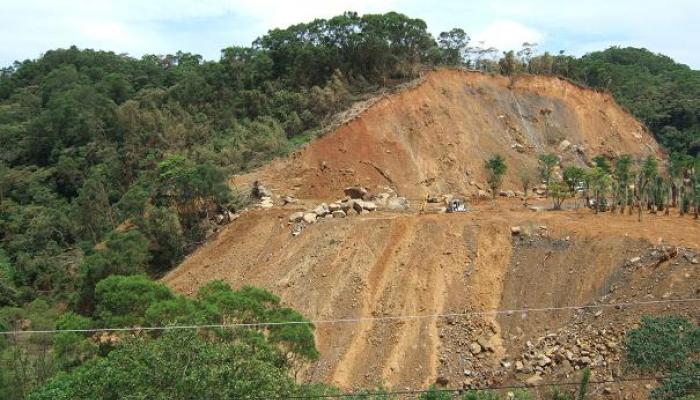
column 388, row 264
column 434, row 137
column 424, row 140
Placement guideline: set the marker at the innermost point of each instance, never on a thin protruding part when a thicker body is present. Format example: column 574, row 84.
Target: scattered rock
column 339, row 214
column 475, row 348
column 259, row 190
column 519, row 366
column 544, row 361
column 356, row 192
column 309, row 218
column 564, row 145
column 442, row 380
column 266, row 202
column 321, row 210
column 288, row 200
column 296, row 217
column 397, row 204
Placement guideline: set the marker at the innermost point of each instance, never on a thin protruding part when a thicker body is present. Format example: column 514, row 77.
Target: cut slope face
column 387, row 265
column 435, row 137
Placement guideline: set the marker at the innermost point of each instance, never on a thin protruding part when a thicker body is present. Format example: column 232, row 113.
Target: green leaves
column 669, row 344
column 495, row 170
column 662, row 344
column 229, row 362
column 179, row 365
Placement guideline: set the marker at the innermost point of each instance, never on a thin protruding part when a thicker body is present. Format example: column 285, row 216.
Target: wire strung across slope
column 388, row 318
column 414, row 392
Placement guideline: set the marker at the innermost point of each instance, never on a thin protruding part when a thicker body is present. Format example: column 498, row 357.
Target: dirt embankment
column 434, row 137
column 388, row 264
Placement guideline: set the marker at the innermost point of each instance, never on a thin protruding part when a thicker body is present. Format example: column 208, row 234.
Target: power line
column 413, row 392
column 383, row 319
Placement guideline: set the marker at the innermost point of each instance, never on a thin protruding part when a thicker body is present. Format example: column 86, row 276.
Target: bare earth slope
column 386, row 264
column 434, row 137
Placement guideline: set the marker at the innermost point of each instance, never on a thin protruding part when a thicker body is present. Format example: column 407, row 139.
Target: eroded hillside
column 434, row 137
column 371, row 267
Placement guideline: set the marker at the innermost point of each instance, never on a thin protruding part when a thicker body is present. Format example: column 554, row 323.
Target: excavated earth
column 367, row 268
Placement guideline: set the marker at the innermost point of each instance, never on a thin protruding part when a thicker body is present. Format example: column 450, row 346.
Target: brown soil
column 433, row 138
column 387, row 264
column 421, row 141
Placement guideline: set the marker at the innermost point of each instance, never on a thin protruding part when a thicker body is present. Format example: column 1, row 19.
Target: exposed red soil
column 424, row 141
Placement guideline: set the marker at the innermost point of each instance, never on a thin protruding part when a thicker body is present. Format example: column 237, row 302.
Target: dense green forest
column 116, row 166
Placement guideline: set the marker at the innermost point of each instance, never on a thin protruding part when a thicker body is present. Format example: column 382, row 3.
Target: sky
column 136, row 27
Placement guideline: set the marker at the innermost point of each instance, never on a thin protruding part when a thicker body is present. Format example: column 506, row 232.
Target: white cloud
column 507, row 35
column 30, row 27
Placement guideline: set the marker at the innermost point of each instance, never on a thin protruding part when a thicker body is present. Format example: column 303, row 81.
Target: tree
column 526, row 180
column 180, row 365
column 545, row 168
column 623, row 176
column 495, row 170
column 601, row 162
column 509, row 64
column 647, row 173
column 453, row 45
column 600, row 182
column 121, row 254
column 559, row 193
column 574, row 178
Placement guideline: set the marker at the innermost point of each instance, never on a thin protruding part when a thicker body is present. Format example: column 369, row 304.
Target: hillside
column 433, row 139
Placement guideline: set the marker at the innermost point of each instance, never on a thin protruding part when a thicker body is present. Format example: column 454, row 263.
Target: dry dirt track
column 388, row 264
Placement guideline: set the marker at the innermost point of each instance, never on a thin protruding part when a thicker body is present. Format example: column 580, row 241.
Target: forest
column 113, row 168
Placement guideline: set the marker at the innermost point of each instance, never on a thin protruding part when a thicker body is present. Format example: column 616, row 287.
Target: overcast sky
column 30, row 27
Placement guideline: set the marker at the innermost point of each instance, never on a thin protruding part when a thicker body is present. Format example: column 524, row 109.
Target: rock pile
column 571, row 349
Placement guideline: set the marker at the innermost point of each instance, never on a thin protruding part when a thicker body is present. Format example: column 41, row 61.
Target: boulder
column 334, row 207
column 346, row 205
column 544, row 361
column 309, row 218
column 321, row 210
column 475, row 348
column 369, row 206
column 338, row 214
column 397, row 204
column 288, row 200
column 266, row 202
column 356, row 192
column 259, row 190
column 361, row 205
column 564, row 145
column 296, row 217
column 515, row 230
